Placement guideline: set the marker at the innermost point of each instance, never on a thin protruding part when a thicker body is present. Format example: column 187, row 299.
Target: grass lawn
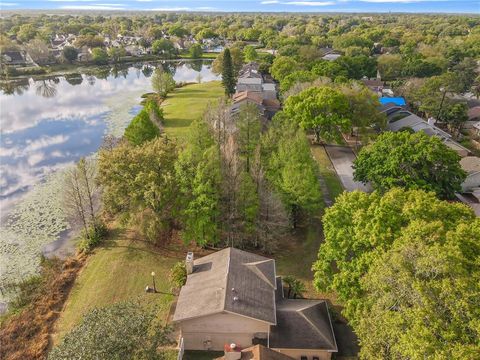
column 188, row 103
column 327, row 171
column 118, row 271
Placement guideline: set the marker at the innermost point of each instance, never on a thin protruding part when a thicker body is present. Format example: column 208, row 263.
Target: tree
column 162, row 82
column 38, row 51
column 199, row 180
column 26, row 32
column 178, row 274
column 360, row 227
column 99, row 56
column 300, row 76
column 455, row 116
column 295, row 287
column 70, row 53
column 422, row 295
column 283, row 66
column 228, row 77
column 411, row 161
column 81, row 192
column 291, row 169
column 116, row 53
column 250, row 53
column 237, row 61
column 119, row 331
column 390, row 66
column 329, row 69
column 249, row 131
column 164, row 48
column 141, row 129
column 195, row 51
column 321, row 109
column 139, row 186
column 90, row 40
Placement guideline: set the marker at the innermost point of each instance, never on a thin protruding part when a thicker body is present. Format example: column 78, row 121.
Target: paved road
column 342, row 158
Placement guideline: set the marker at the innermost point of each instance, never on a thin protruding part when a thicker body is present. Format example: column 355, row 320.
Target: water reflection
column 49, row 123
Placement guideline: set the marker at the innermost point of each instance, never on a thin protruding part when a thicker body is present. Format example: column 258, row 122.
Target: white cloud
column 143, row 0
column 91, row 7
column 71, row 0
column 35, row 158
column 8, row 4
column 171, row 9
column 300, row 3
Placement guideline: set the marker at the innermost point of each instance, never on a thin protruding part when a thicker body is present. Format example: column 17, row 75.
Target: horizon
column 471, row 7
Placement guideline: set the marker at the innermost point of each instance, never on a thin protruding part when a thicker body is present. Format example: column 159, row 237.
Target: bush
column 93, row 238
column 178, row 274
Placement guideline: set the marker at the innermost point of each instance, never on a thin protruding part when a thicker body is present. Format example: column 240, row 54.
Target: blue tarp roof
column 400, row 101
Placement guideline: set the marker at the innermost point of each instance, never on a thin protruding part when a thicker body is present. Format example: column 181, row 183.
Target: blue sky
column 446, row 6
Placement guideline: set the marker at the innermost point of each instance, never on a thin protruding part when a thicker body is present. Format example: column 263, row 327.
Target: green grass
column 188, row 103
column 118, row 271
column 327, row 171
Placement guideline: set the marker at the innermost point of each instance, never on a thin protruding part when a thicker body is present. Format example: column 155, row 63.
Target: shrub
column 93, row 238
column 178, row 274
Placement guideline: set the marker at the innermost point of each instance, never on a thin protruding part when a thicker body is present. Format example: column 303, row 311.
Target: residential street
column 342, row 158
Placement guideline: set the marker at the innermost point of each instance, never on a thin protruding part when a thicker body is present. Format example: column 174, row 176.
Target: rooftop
column 229, row 280
column 303, row 324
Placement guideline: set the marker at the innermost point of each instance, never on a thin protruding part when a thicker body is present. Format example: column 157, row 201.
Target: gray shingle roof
column 303, row 324
column 220, row 277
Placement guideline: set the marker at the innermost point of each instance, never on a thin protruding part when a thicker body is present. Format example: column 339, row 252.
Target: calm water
column 46, row 126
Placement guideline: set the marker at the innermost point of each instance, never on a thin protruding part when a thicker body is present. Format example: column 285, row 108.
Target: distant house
column 15, row 58
column 331, row 57
column 474, row 113
column 233, row 298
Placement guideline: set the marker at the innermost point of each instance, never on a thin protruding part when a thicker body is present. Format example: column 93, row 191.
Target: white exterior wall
column 214, row 331
column 298, row 353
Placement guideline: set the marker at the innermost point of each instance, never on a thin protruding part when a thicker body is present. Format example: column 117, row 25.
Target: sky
column 424, row 6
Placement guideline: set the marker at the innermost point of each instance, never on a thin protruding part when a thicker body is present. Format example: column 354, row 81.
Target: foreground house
column 235, row 297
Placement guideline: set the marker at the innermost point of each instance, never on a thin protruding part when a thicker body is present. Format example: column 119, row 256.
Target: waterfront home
column 235, row 298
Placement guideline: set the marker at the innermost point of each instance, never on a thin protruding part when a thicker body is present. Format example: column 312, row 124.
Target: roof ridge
column 259, row 272
column 226, row 278
column 300, row 311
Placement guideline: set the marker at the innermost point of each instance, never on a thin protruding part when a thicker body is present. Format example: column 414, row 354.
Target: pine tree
column 228, row 78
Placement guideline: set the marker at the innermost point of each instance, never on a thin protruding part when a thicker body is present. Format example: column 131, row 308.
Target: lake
column 46, row 126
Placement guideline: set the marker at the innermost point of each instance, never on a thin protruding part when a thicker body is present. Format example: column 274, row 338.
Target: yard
column 119, row 270
column 188, row 103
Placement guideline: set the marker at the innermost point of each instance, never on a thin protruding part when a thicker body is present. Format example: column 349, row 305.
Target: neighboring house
column 476, row 126
column 15, row 58
column 331, row 57
column 400, row 119
column 234, row 298
column 474, row 113
column 376, row 85
column 471, row 165
column 254, row 87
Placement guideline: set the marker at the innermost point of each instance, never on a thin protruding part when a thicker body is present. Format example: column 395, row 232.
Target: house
column 331, row 57
column 235, row 298
column 15, row 58
column 376, row 85
column 474, row 113
column 471, row 165
column 399, row 119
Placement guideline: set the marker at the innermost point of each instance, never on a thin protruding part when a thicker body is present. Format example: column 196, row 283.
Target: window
column 303, row 357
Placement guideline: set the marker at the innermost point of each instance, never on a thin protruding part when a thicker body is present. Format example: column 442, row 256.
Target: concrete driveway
column 342, row 158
